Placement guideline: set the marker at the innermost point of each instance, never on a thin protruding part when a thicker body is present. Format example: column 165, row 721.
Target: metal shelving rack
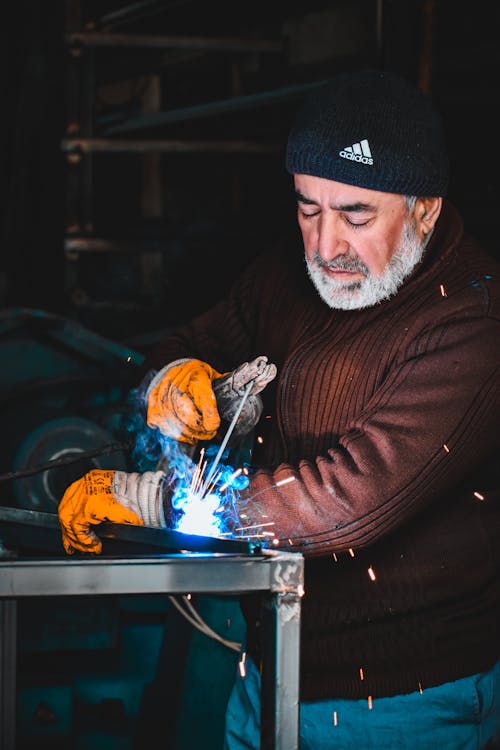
column 152, row 131
column 81, row 145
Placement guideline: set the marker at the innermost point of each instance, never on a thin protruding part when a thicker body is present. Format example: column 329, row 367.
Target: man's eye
column 309, row 215
column 356, row 223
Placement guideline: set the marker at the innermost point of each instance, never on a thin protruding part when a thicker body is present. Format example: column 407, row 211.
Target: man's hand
column 229, row 391
column 89, row 501
column 181, row 402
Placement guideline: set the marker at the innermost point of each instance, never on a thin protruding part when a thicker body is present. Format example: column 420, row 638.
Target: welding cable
column 199, row 623
column 76, row 458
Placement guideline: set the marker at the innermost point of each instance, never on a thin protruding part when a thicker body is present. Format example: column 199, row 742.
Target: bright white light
column 200, row 516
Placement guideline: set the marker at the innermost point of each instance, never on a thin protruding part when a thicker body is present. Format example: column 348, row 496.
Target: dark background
column 131, row 242
column 142, row 169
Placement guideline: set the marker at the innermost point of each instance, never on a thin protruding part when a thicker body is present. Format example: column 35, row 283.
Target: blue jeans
column 459, row 715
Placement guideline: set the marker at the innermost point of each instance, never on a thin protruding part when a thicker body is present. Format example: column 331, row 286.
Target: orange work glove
column 181, row 401
column 106, row 495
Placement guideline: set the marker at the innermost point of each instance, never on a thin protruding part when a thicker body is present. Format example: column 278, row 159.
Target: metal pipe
column 109, row 145
column 161, row 41
column 211, row 109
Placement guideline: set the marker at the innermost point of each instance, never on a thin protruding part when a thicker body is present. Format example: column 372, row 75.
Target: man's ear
column 427, row 211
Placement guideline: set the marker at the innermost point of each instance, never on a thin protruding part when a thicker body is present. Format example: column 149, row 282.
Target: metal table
column 277, row 575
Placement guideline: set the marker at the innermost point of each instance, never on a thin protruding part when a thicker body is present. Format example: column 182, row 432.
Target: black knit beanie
column 371, row 129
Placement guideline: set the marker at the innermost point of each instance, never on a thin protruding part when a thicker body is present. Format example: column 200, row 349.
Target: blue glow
column 213, row 513
column 201, row 515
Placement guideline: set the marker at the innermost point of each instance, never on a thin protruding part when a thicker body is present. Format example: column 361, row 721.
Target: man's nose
column 331, row 241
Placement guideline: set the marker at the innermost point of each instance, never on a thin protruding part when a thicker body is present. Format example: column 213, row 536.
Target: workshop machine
column 97, row 672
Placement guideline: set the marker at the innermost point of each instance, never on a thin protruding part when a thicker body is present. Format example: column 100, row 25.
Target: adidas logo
column 358, row 152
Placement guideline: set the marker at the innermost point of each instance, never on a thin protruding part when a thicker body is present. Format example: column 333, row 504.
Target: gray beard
column 341, row 295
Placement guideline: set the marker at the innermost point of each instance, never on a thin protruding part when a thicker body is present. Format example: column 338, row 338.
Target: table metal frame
column 276, row 575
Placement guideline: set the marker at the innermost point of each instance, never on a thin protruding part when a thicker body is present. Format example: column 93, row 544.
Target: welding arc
column 198, row 622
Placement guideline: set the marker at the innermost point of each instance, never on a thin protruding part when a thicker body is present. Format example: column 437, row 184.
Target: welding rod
column 230, row 429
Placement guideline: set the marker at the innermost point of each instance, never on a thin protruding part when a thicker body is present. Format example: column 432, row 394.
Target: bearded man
column 384, row 412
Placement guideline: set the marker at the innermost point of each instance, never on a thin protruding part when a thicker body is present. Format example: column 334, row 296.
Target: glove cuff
column 141, row 493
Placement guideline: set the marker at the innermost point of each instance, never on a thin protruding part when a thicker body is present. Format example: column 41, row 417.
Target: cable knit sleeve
column 423, row 436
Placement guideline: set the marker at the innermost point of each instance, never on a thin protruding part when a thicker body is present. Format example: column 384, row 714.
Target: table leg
column 8, row 664
column 280, row 671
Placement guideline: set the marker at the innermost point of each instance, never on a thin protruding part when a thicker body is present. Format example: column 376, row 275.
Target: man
column 384, row 411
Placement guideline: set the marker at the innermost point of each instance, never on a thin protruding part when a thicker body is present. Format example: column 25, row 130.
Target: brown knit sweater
column 388, row 420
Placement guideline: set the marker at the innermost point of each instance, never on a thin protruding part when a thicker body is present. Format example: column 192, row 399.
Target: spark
column 129, row 358
column 241, row 664
column 276, row 542
column 420, row 688
column 446, row 448
column 255, row 526
column 300, row 590
column 335, row 720
column 194, row 483
column 361, row 674
column 213, row 483
column 199, row 502
column 478, row 495
column 260, row 439
column 290, row 542
column 202, row 509
column 285, row 481
column 277, row 484
column 197, row 474
column 335, row 557
column 371, row 573
column 351, row 551
column 228, row 481
column 443, row 290
column 370, row 703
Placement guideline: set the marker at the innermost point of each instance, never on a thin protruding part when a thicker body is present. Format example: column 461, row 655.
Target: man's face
column 359, row 244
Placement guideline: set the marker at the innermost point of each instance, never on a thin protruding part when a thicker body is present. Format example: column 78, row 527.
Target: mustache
column 345, row 262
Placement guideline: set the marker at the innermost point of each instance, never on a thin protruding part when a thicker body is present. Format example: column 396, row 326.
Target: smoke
column 198, row 507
